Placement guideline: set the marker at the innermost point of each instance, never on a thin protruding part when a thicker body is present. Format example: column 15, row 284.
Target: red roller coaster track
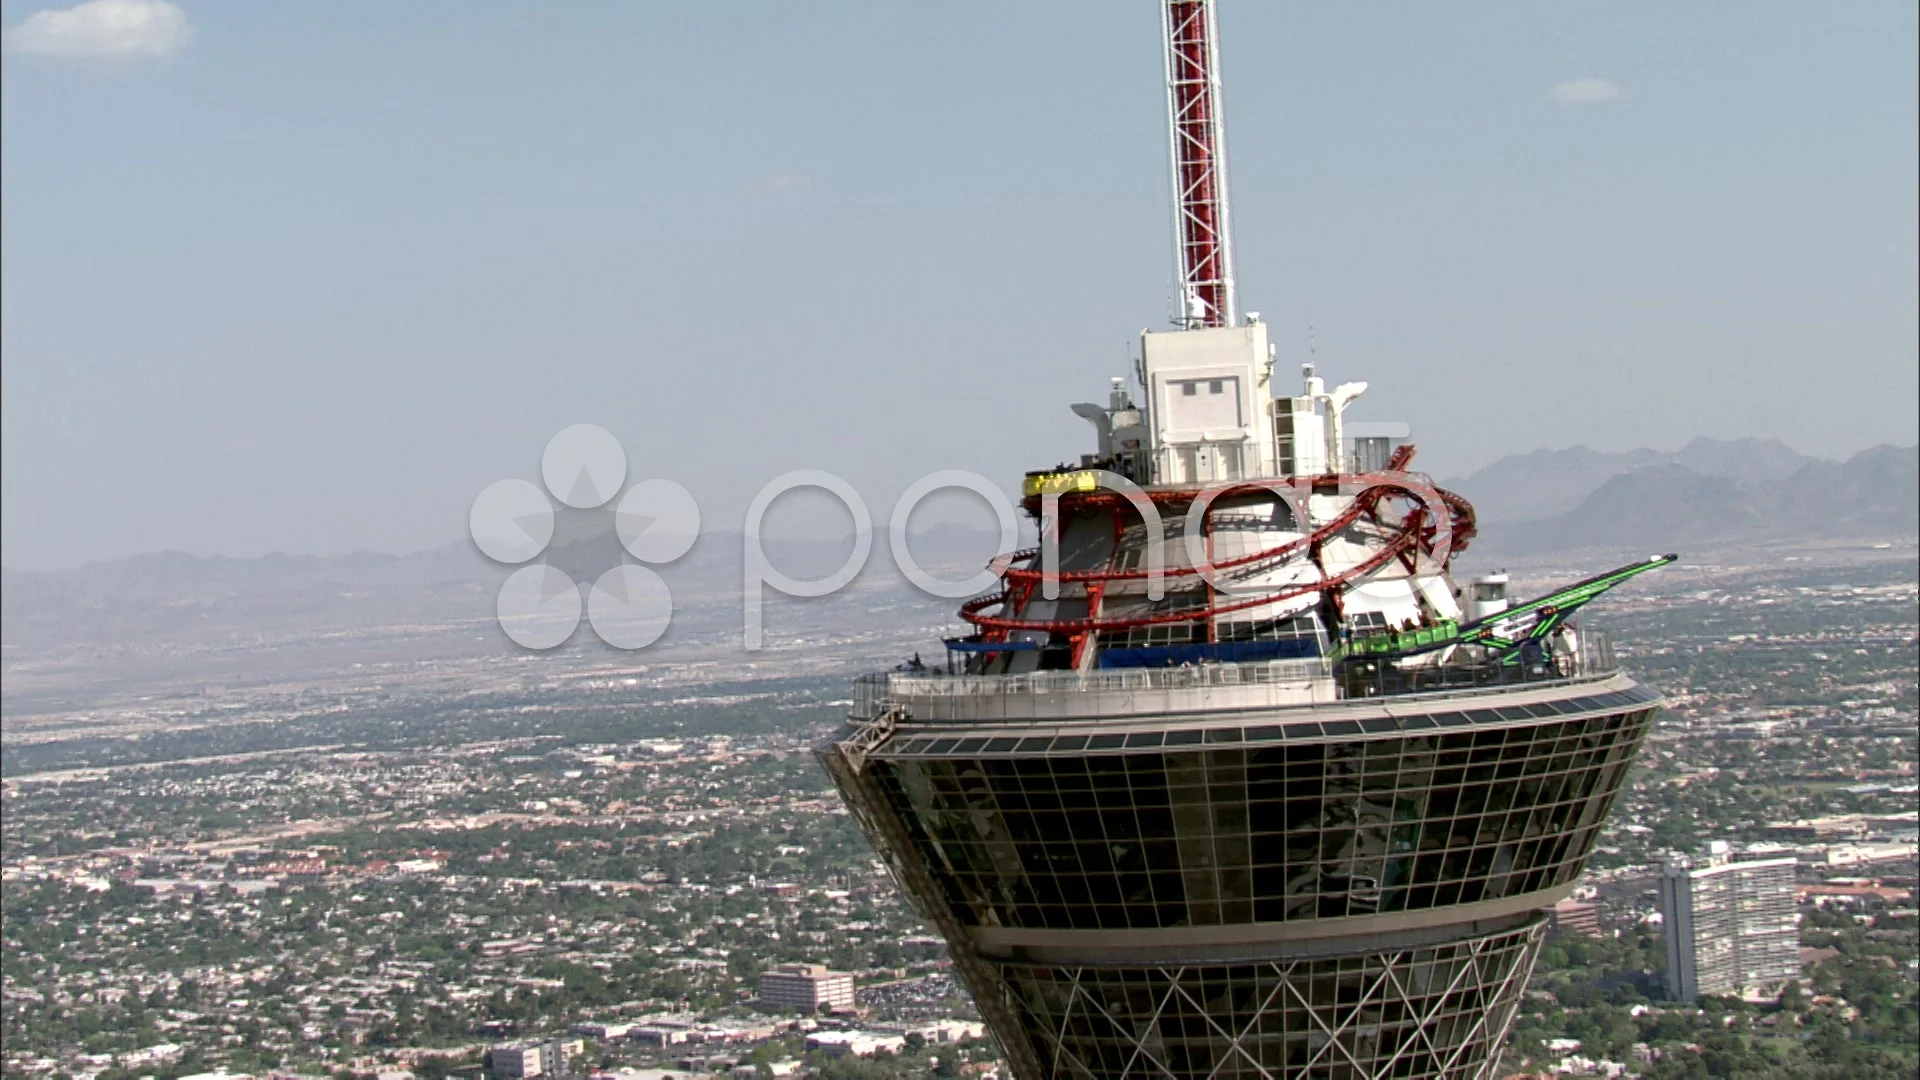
column 1416, row 532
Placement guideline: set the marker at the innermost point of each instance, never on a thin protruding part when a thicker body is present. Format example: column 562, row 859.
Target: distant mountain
column 110, row 635
column 1876, row 490
column 1543, row 501
column 1524, row 487
column 180, row 597
column 1668, row 504
column 1750, row 461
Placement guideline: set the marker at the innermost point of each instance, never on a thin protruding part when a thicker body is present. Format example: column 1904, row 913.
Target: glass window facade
column 1180, row 833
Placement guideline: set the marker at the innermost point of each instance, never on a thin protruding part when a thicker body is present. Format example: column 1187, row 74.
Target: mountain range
column 1742, row 490
column 1752, row 490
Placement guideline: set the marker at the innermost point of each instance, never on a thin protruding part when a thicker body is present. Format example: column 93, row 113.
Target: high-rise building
column 1232, row 779
column 1730, row 923
column 807, row 987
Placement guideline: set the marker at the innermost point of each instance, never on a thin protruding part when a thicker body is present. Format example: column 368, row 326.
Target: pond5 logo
column 583, row 528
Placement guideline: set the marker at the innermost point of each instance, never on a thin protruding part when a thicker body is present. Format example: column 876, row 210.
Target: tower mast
column 1202, row 240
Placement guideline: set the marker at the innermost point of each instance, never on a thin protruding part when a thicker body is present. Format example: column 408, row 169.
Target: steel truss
column 1435, row 1012
column 1202, row 237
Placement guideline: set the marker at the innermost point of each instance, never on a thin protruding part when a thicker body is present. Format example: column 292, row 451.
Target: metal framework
column 869, row 736
column 1415, row 1013
column 1202, row 238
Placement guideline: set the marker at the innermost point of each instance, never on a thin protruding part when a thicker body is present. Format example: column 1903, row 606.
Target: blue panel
column 1224, row 652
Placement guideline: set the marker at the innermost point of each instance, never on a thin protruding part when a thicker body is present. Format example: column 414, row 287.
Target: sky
column 307, row 278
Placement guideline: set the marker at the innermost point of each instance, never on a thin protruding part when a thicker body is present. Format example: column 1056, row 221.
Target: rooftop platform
column 1133, row 693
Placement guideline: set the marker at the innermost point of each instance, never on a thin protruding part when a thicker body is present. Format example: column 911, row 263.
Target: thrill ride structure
column 1231, row 777
column 1202, row 240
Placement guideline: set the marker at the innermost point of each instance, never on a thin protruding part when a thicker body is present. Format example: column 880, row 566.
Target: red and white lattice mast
column 1202, row 238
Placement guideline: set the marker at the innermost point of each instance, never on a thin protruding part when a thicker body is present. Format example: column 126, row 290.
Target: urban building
column 517, row 1059
column 806, row 987
column 787, row 1067
column 948, row 1030
column 856, row 1043
column 602, row 1029
column 1574, row 917
column 1730, row 923
column 533, row 1057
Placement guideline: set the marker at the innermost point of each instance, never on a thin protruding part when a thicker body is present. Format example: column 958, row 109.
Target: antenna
column 1202, row 240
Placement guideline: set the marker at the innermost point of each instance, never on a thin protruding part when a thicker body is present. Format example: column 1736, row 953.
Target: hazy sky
column 307, row 277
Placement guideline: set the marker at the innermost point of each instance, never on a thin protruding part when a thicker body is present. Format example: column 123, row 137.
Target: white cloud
column 103, row 28
column 1586, row 91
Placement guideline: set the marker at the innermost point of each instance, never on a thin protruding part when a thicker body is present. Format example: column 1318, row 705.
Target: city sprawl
column 408, row 877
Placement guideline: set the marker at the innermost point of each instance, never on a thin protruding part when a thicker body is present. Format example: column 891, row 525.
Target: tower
column 1226, row 782
column 1196, row 122
column 1729, row 923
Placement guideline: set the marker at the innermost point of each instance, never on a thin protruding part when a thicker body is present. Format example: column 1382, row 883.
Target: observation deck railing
column 930, row 696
